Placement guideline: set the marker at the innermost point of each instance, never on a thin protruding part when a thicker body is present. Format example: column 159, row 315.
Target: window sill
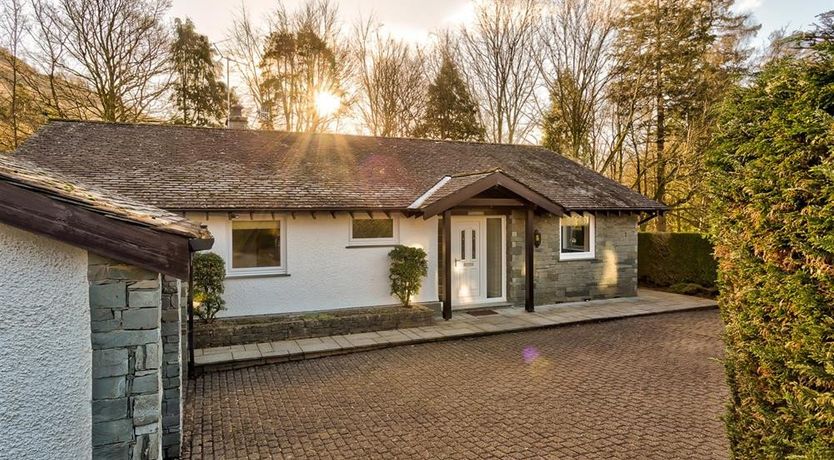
column 562, row 257
column 377, row 245
column 257, row 275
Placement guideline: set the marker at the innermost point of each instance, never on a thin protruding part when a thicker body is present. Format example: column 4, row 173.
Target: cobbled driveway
column 648, row 387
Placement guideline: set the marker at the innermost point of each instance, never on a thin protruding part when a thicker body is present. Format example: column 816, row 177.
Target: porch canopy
column 488, row 189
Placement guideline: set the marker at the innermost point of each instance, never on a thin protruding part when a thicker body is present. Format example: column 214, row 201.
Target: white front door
column 466, row 261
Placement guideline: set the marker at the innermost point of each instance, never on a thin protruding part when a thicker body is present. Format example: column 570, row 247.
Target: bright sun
column 327, row 103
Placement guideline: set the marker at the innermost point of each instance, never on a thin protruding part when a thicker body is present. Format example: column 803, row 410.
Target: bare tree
column 58, row 95
column 119, row 49
column 304, row 68
column 392, row 81
column 498, row 56
column 13, row 25
column 575, row 63
column 245, row 47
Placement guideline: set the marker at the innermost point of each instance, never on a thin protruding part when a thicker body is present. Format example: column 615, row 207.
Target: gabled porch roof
column 451, row 191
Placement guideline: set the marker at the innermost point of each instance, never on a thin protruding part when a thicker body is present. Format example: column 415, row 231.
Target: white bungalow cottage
column 305, row 221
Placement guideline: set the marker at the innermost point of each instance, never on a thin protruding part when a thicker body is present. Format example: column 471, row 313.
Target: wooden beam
column 492, row 202
column 447, row 265
column 497, row 179
column 529, row 278
column 110, row 237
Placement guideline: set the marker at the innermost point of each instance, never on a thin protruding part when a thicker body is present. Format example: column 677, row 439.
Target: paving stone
column 288, row 346
column 213, row 358
column 649, row 387
column 318, row 345
column 244, row 355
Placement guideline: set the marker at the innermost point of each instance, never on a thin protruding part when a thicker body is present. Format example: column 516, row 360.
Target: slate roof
column 183, row 168
column 23, row 173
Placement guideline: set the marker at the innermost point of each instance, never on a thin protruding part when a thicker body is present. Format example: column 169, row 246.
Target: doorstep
column 462, row 325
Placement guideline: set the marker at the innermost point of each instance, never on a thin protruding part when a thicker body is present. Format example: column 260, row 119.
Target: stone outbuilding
column 92, row 297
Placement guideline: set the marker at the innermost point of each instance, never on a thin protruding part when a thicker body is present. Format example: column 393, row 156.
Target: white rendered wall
column 323, row 272
column 45, row 350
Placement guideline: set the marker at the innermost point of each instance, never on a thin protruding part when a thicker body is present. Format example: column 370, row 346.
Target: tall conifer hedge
column 772, row 179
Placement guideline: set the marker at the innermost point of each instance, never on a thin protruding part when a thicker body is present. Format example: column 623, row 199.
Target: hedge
column 666, row 259
column 771, row 180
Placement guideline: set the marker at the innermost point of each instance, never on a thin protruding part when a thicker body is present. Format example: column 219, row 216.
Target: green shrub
column 664, row 259
column 771, row 177
column 408, row 267
column 209, row 272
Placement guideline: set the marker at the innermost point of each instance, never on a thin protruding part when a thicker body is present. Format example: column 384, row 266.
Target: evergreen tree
column 451, row 113
column 200, row 99
column 771, row 182
column 676, row 59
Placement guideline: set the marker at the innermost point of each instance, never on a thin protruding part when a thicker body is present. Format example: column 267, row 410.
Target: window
column 373, row 231
column 257, row 247
column 495, row 257
column 577, row 237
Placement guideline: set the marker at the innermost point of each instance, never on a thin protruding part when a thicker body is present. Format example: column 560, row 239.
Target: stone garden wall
column 128, row 369
column 271, row 328
column 612, row 272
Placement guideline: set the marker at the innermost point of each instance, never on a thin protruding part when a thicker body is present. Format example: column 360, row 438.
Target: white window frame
column 395, row 238
column 232, row 272
column 588, row 255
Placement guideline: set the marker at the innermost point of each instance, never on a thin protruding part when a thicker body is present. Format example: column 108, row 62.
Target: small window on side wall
column 257, row 247
column 576, row 237
column 365, row 230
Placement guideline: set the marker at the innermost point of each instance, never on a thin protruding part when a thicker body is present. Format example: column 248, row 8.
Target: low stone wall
column 271, row 328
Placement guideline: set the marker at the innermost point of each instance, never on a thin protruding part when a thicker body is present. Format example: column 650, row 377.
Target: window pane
column 462, row 244
column 494, row 251
column 256, row 244
column 373, row 228
column 474, row 244
column 576, row 234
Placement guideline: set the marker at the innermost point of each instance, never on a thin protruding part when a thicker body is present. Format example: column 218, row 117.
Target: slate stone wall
column 125, row 314
column 270, row 328
column 172, row 397
column 611, row 273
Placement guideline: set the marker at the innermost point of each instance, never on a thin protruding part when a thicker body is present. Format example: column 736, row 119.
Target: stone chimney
column 236, row 118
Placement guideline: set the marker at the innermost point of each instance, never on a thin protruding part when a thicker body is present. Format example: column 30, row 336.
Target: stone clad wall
column 171, row 359
column 127, row 358
column 612, row 273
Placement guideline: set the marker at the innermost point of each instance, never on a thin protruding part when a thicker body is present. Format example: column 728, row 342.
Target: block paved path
column 646, row 387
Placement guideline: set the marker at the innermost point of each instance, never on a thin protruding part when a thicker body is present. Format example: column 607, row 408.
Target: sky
column 417, row 19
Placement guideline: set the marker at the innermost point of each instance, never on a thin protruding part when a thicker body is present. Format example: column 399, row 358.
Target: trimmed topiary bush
column 408, row 268
column 666, row 259
column 771, row 177
column 209, row 272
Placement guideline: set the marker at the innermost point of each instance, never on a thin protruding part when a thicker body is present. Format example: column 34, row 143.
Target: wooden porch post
column 529, row 271
column 447, row 264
